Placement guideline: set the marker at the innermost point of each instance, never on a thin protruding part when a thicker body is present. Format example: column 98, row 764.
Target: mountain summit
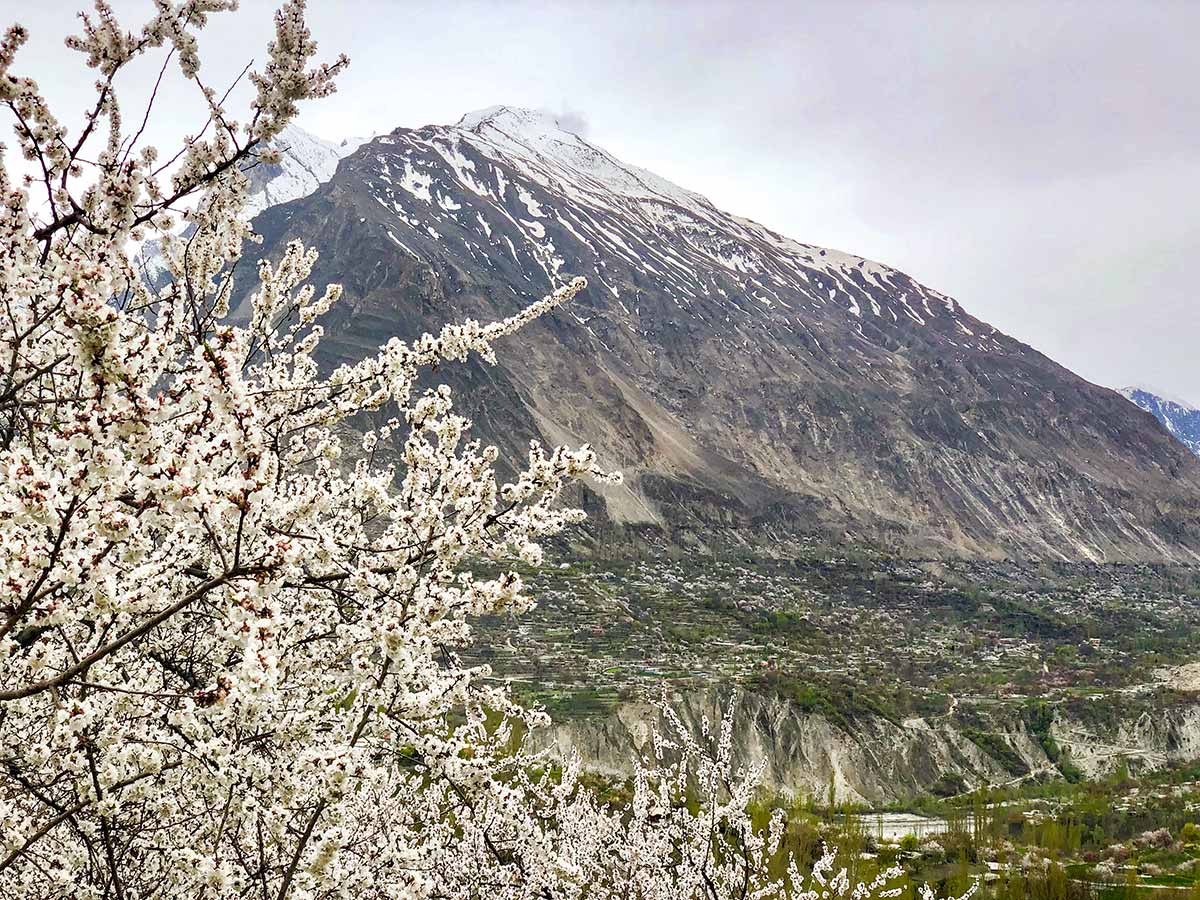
column 512, row 118
column 751, row 387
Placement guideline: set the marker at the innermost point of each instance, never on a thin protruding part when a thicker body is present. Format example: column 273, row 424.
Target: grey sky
column 1038, row 161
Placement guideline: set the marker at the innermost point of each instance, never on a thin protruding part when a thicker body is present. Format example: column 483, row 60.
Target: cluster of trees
column 227, row 629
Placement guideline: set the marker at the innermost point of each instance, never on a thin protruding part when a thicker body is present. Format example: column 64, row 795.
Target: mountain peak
column 308, row 162
column 539, row 144
column 512, row 119
column 1179, row 417
column 1133, row 391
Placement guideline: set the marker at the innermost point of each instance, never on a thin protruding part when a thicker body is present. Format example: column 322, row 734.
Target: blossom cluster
column 229, row 610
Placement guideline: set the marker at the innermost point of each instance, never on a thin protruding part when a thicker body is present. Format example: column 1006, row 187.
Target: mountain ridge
column 752, row 387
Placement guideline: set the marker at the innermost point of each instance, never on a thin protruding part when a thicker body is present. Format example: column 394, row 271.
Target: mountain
column 306, row 162
column 752, row 388
column 1178, row 417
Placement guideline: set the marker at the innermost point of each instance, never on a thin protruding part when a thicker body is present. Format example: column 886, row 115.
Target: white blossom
column 227, row 630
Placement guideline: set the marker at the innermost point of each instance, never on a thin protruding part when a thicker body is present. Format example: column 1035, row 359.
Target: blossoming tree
column 227, row 660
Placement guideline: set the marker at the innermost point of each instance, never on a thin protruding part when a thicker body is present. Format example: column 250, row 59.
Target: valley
column 1035, row 726
column 887, row 679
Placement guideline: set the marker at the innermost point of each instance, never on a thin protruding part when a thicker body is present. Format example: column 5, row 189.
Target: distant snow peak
column 1178, row 416
column 507, row 181
column 727, row 360
column 307, row 162
column 1158, row 394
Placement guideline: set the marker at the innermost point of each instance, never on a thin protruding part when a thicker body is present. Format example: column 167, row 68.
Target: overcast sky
column 1038, row 161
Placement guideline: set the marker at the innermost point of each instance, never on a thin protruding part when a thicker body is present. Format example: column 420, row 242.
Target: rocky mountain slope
column 1178, row 417
column 752, row 388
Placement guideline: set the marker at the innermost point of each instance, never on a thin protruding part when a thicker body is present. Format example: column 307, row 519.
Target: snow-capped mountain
column 611, row 213
column 747, row 384
column 306, row 163
column 1177, row 416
